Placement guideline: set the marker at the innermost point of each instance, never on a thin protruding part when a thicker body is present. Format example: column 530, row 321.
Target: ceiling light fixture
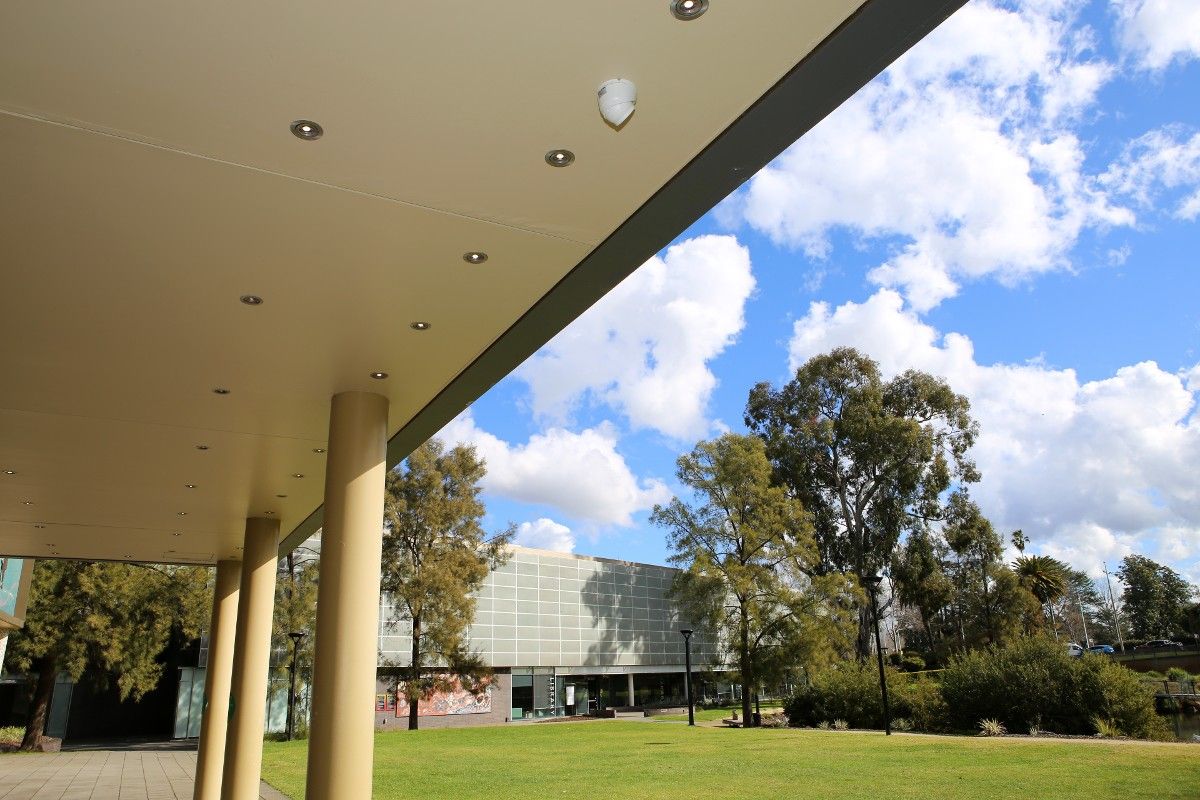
column 379, row 375
column 560, row 158
column 39, row 527
column 27, row 502
column 420, row 326
column 220, row 390
column 297, row 475
column 177, row 534
column 307, row 130
column 10, row 472
column 190, row 485
column 688, row 9
column 201, row 447
column 318, row 450
column 475, row 257
column 251, row 299
column 281, row 496
column 269, row 513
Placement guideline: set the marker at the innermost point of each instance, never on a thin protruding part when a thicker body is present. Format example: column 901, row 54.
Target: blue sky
column 1014, row 205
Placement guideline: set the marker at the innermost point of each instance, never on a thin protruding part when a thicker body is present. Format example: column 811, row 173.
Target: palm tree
column 1045, row 578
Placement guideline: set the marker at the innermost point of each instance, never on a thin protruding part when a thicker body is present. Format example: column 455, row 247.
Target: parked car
column 1105, row 649
column 1160, row 644
column 1074, row 650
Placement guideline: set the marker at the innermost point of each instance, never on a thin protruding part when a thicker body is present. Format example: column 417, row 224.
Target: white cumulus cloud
column 964, row 152
column 1156, row 33
column 546, row 534
column 1092, row 469
column 579, row 473
column 1161, row 162
column 644, row 348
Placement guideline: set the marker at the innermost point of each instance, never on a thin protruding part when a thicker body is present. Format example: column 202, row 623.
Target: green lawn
column 715, row 714
column 643, row 761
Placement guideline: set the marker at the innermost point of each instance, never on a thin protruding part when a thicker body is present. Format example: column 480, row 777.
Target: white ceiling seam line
column 83, row 127
column 127, row 528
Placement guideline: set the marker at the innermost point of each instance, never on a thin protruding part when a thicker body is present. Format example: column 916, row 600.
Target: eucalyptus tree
column 746, row 554
column 869, row 459
column 436, row 553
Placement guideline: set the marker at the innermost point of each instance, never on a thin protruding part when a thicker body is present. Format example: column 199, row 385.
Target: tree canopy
column 747, row 556
column 109, row 621
column 435, row 555
column 869, row 459
column 1156, row 598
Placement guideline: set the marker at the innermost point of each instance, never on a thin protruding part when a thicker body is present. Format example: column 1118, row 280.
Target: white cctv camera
column 617, row 99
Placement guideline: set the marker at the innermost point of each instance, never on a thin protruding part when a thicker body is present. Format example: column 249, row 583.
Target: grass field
column 715, row 714
column 647, row 761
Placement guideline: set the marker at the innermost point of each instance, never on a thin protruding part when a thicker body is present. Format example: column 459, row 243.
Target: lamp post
column 295, row 636
column 687, row 676
column 872, row 583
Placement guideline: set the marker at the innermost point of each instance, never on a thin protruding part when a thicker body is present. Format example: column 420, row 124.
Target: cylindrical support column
column 251, row 662
column 341, row 737
column 632, row 696
column 218, row 675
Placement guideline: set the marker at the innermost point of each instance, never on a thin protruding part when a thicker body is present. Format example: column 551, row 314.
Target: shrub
column 823, row 725
column 841, row 725
column 920, row 700
column 911, row 662
column 992, row 727
column 1104, row 728
column 1178, row 674
column 902, row 724
column 1033, row 681
column 774, row 721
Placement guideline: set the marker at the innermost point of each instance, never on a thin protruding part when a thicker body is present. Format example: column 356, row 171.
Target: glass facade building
column 570, row 634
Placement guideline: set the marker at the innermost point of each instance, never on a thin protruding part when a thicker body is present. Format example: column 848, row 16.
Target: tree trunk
column 414, row 674
column 47, row 669
column 987, row 607
column 747, row 681
column 862, row 643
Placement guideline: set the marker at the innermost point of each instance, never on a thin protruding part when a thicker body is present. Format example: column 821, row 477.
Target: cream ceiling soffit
column 862, row 47
column 152, row 181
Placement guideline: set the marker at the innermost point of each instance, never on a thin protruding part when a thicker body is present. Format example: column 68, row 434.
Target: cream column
column 632, row 696
column 251, row 661
column 341, row 734
column 218, row 674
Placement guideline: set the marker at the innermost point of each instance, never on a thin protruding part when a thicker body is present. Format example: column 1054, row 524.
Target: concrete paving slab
column 94, row 774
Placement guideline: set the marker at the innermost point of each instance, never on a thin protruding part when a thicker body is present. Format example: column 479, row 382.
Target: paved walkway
column 131, row 774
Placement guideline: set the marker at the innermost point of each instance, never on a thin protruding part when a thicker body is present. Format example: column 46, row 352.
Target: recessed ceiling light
column 201, row 447
column 183, row 513
column 379, row 375
column 220, row 390
column 269, row 513
column 10, row 472
column 475, row 257
column 251, row 299
column 27, row 502
column 318, row 450
column 420, row 326
column 190, row 485
column 40, row 527
column 688, row 9
column 297, row 474
column 560, row 158
column 307, row 130
column 177, row 533
column 127, row 555
column 281, row 496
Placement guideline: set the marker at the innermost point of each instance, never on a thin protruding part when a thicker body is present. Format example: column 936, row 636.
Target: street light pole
column 872, row 582
column 295, row 636
column 687, row 677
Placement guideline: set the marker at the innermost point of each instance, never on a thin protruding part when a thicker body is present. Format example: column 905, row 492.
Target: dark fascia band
column 862, row 47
